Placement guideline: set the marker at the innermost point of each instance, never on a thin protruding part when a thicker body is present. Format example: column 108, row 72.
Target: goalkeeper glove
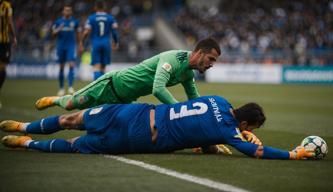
column 215, row 149
column 301, row 153
column 223, row 149
column 250, row 137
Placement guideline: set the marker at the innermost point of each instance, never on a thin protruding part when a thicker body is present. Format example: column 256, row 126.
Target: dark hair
column 206, row 45
column 252, row 113
column 100, row 4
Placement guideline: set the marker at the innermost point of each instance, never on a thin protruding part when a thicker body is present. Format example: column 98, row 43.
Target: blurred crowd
column 288, row 32
column 34, row 18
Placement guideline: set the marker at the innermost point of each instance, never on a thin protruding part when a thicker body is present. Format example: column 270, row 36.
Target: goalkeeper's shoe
column 45, row 102
column 14, row 141
column 11, row 126
column 301, row 153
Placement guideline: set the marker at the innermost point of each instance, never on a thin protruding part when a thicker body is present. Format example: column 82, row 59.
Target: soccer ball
column 317, row 144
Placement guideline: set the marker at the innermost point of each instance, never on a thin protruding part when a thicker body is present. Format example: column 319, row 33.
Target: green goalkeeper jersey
column 153, row 75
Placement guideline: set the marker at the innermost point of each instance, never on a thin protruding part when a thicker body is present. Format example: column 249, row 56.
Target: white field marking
column 187, row 177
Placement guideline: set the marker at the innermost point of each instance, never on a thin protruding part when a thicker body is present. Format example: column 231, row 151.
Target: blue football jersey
column 101, row 25
column 199, row 122
column 67, row 36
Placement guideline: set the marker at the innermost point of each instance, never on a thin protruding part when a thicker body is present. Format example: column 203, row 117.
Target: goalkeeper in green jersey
column 152, row 76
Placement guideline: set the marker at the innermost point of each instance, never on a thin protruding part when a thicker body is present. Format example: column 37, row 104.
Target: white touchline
column 187, row 177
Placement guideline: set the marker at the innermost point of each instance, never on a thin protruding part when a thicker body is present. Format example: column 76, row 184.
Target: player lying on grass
column 144, row 128
column 151, row 76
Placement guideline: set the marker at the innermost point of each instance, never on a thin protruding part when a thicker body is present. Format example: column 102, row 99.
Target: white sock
column 24, row 127
column 26, row 144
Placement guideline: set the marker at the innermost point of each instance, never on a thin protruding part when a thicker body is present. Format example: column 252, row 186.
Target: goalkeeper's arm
column 160, row 91
column 190, row 89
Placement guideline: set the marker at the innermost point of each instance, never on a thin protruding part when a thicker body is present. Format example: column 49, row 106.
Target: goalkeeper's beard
column 201, row 65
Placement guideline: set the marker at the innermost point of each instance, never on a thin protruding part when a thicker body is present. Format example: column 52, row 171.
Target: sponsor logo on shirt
column 167, row 67
column 95, row 111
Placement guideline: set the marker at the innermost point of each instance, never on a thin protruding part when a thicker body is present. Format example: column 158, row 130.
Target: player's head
column 99, row 5
column 250, row 116
column 67, row 11
column 205, row 54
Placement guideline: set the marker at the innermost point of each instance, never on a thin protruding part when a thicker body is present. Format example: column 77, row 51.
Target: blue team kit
column 124, row 128
column 66, row 40
column 101, row 25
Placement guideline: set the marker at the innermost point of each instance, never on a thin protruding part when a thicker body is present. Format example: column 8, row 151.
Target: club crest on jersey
column 95, row 111
column 71, row 24
column 167, row 67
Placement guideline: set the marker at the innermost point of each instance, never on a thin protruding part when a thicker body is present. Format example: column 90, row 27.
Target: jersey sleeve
column 190, row 88
column 249, row 149
column 162, row 76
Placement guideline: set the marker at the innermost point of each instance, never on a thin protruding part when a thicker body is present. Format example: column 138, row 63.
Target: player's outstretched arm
column 265, row 152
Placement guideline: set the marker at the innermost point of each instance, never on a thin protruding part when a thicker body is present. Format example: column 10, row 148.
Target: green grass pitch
column 293, row 112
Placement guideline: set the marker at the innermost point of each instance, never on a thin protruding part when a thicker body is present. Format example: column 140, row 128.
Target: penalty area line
column 183, row 176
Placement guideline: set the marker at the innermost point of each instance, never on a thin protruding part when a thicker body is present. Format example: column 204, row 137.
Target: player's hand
column 213, row 149
column 250, row 137
column 301, row 153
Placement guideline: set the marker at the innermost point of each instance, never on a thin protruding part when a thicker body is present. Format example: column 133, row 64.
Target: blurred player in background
column 7, row 36
column 99, row 25
column 152, row 76
column 144, row 128
column 67, row 30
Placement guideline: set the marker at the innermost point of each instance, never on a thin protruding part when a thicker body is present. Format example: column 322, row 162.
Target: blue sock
column 61, row 78
column 54, row 145
column 44, row 126
column 97, row 74
column 70, row 76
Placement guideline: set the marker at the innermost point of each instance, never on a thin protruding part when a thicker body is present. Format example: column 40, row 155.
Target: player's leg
column 71, row 77
column 5, row 51
column 106, row 56
column 53, row 145
column 84, row 98
column 96, row 58
column 71, row 62
column 2, row 73
column 46, row 125
column 98, row 70
column 61, row 59
column 61, row 80
column 4, row 60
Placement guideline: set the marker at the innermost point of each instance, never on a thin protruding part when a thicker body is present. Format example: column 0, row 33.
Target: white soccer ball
column 317, row 144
